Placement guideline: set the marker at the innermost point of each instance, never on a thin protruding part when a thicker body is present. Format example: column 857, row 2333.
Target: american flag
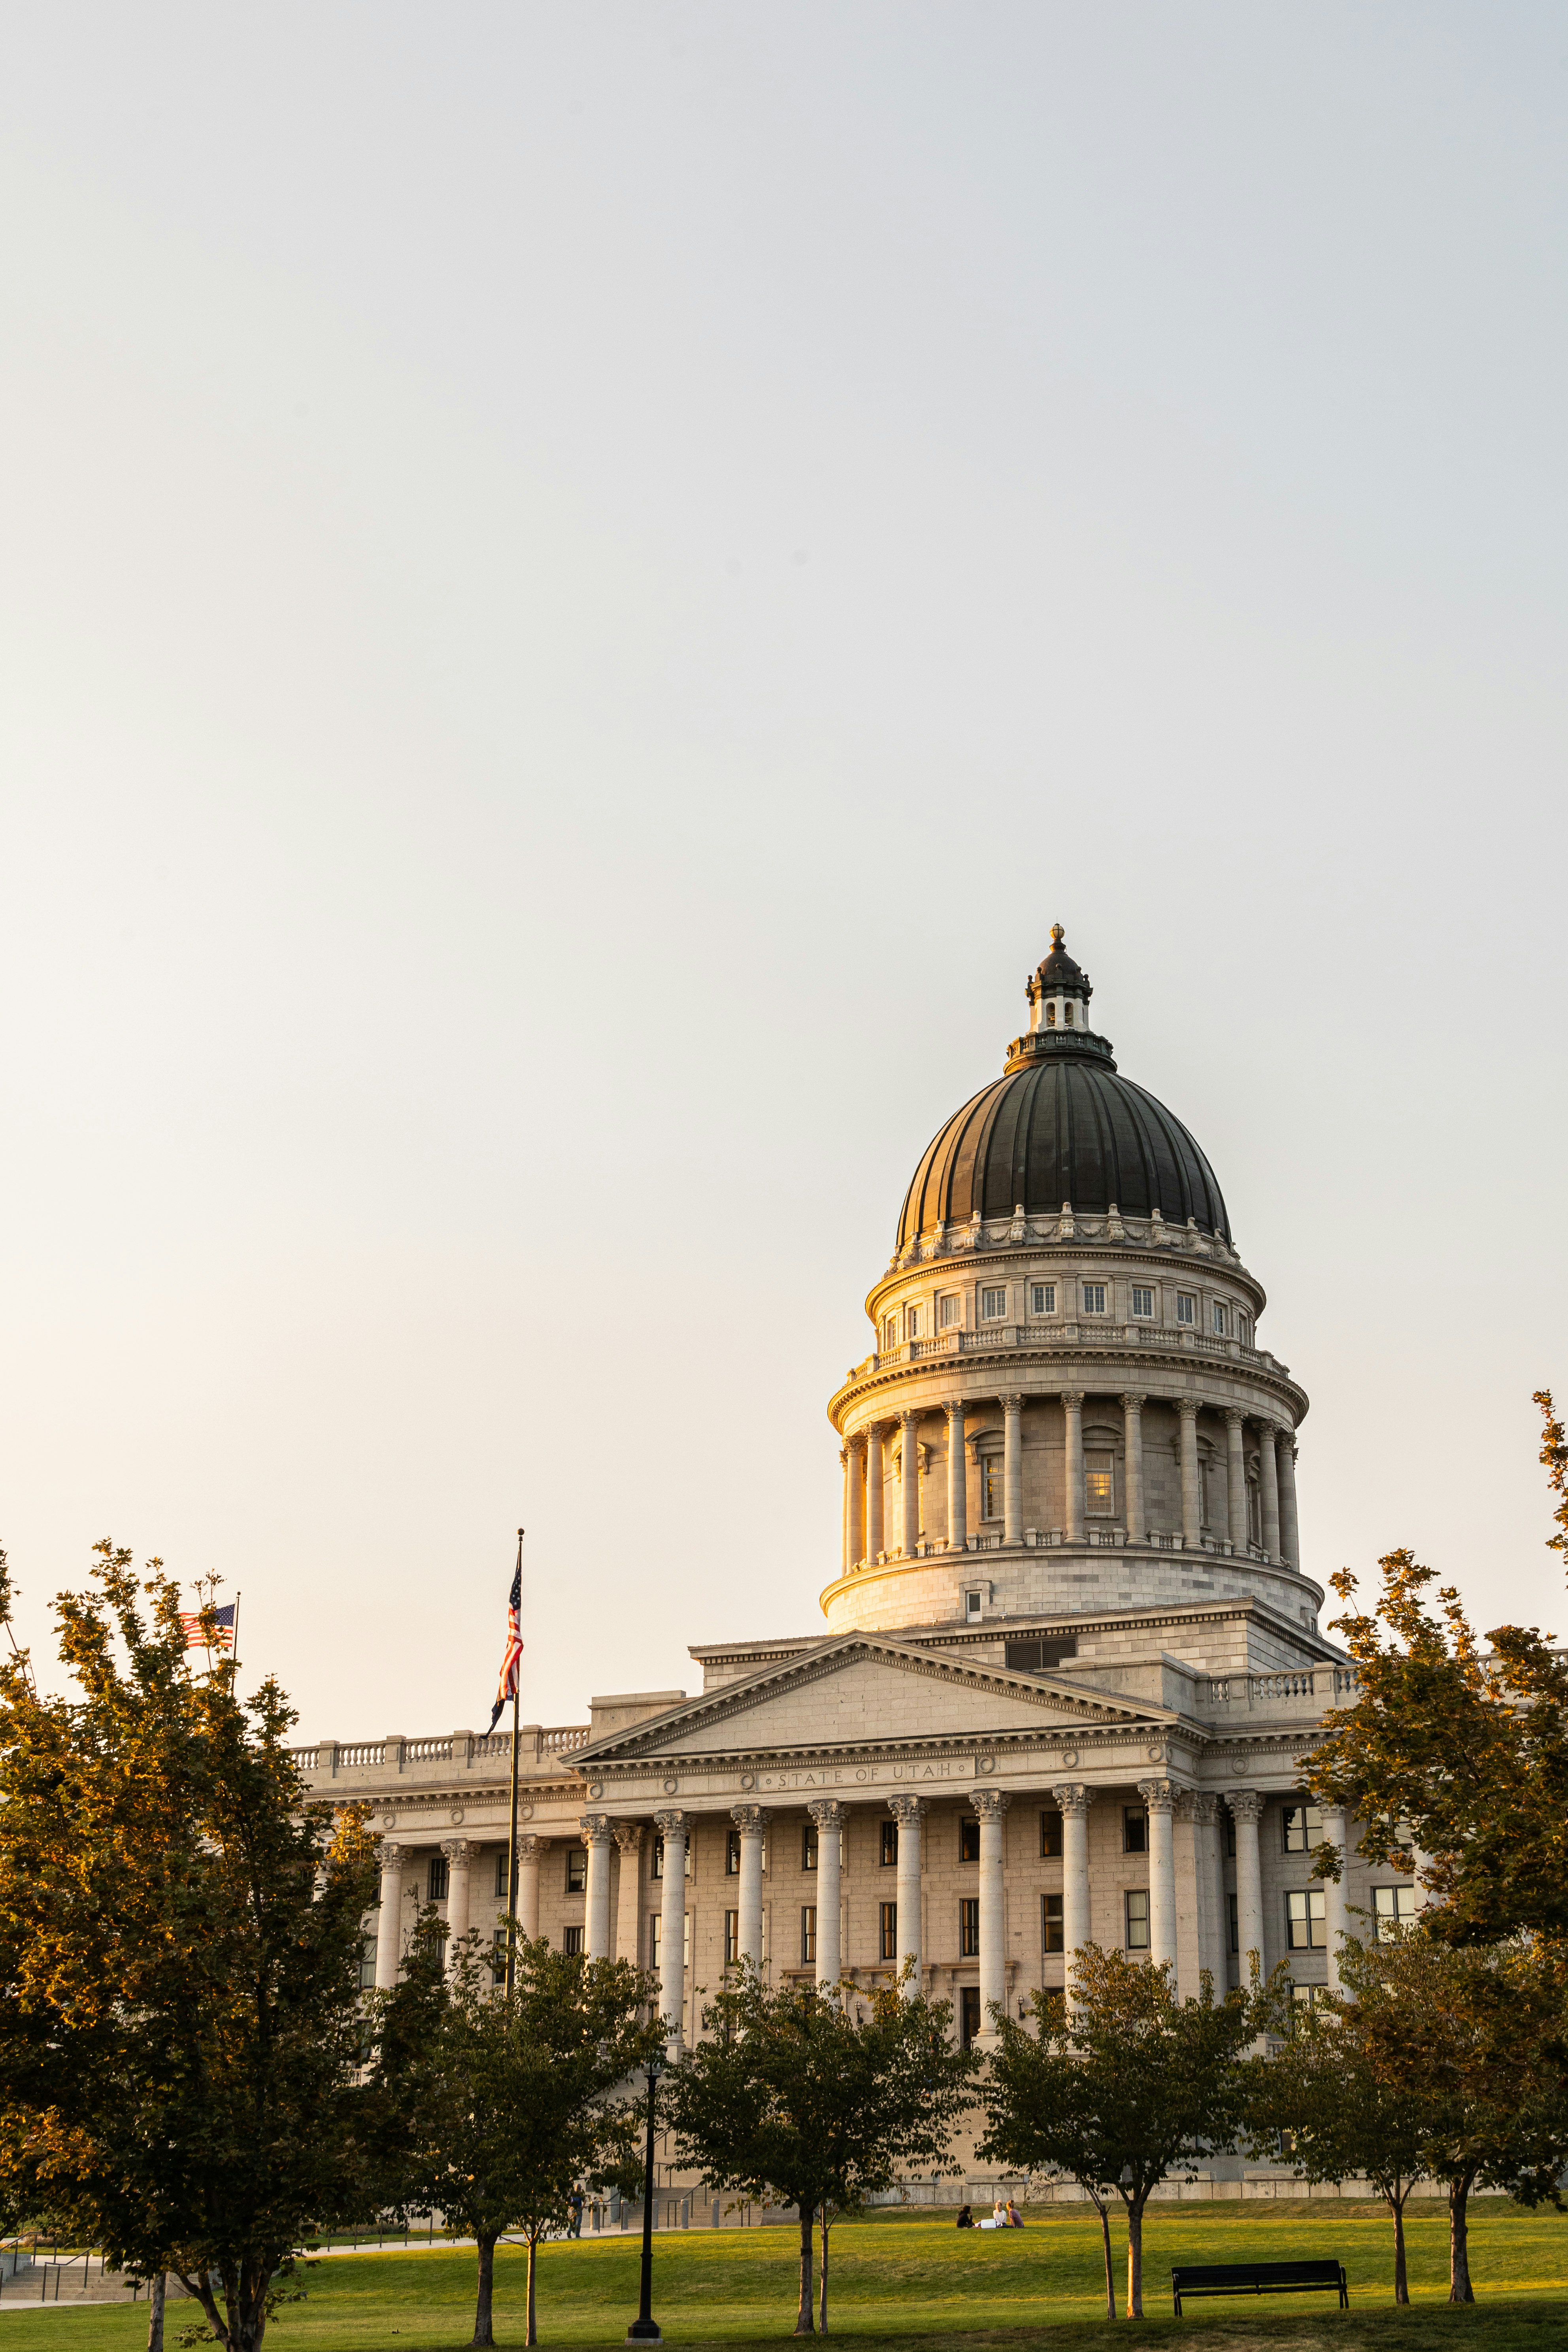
column 507, row 1685
column 195, row 1634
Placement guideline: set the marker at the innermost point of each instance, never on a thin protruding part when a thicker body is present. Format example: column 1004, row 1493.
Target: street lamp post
column 644, row 2328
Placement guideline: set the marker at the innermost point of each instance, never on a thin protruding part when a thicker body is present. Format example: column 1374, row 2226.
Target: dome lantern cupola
column 1058, row 991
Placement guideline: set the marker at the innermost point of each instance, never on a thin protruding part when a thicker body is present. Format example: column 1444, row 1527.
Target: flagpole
column 511, row 1841
column 236, row 1633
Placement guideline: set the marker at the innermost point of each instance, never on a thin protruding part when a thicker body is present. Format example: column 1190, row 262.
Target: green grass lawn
column 898, row 2280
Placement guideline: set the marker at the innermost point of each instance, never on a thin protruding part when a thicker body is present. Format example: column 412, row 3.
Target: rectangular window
column 731, row 1937
column 656, row 1865
column 1051, row 1923
column 732, row 1855
column 969, row 1840
column 1305, row 1996
column 890, row 1925
column 498, row 1955
column 1230, row 1837
column 1303, row 1828
column 950, row 1311
column 1094, row 1297
column 968, row 2013
column 889, row 1845
column 1244, row 1329
column 808, row 1846
column 571, row 1942
column 1099, row 1483
column 990, row 1483
column 1186, row 1307
column 502, row 1888
column 1392, row 1907
column 969, row 1928
column 1137, row 1901
column 1038, row 1656
column 1219, row 1320
column 1043, row 1299
column 655, row 1927
column 437, row 1879
column 1050, row 1833
column 577, row 1870
column 891, row 1332
column 973, row 1604
column 1143, row 1304
column 914, row 1322
column 1305, row 1929
column 993, row 1305
column 1135, row 1830
column 367, row 1964
column 1235, row 1925
column 808, row 1934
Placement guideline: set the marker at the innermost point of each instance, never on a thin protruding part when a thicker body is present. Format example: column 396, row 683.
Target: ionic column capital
column 1159, row 1795
column 1246, row 1804
column 673, row 1820
column 906, row 1810
column 991, row 1803
column 596, row 1828
column 1073, row 1795
column 829, row 1812
column 749, row 1819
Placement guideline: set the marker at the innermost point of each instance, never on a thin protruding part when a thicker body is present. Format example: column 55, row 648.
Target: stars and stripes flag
column 511, row 1664
column 196, row 1632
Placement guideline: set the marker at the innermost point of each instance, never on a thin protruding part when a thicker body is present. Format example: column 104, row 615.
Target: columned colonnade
column 864, row 1459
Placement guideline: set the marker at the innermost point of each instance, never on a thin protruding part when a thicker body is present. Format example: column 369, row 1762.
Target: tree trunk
column 532, row 2335
column 1401, row 2279
column 157, row 2289
column 804, row 2324
column 1104, row 2212
column 822, row 2296
column 484, row 2331
column 1135, row 2258
column 1459, row 2287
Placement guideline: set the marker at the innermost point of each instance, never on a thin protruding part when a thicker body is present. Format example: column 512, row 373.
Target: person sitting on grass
column 1015, row 2218
column 965, row 2218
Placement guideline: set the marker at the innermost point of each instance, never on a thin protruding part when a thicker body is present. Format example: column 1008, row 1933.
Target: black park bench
column 1260, row 2278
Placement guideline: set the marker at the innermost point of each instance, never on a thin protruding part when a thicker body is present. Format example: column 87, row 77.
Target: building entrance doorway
column 968, row 2013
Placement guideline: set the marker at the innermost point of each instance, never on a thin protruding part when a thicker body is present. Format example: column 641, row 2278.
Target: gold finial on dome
column 1057, row 935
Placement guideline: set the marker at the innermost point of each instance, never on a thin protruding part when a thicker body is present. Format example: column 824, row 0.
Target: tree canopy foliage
column 819, row 2097
column 180, row 1935
column 1121, row 2087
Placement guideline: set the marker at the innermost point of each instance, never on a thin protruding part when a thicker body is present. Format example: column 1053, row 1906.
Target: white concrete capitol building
column 1069, row 1664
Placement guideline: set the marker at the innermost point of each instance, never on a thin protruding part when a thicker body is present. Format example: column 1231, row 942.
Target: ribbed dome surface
column 1069, row 1130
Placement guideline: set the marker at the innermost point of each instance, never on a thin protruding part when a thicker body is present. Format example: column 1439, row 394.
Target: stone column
column 1160, row 1797
column 461, row 1855
column 855, row 1503
column 990, row 1804
column 908, row 1811
column 1012, row 1469
column 1133, row 1475
column 1191, row 1491
column 752, row 1821
column 530, row 1850
column 1215, row 1921
column 1290, row 1531
column 598, row 1837
column 1235, row 1477
column 909, row 1484
column 1336, row 1921
column 1075, row 1800
column 1247, row 1811
column 1268, row 1489
column 829, row 1815
column 1072, row 1405
column 389, row 1925
column 671, row 1825
column 957, row 1477
column 875, row 1477
column 628, row 1910
column 846, row 1558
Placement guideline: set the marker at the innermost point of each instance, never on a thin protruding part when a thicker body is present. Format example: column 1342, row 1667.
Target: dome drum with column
column 1069, row 1374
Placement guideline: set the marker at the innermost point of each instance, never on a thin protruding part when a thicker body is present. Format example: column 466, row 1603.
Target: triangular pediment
column 858, row 1691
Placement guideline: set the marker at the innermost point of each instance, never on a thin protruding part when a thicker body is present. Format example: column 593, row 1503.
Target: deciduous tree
column 507, row 2102
column 817, row 2097
column 179, row 1933
column 1121, row 2088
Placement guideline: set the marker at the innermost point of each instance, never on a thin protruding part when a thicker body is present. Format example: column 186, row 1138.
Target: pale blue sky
column 579, row 585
